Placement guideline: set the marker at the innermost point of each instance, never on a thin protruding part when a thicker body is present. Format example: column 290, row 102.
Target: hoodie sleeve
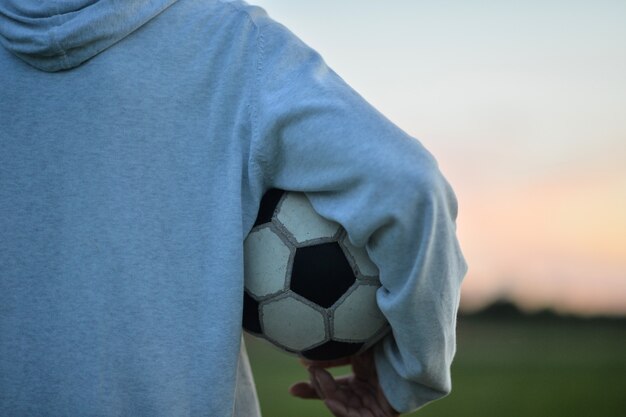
column 313, row 133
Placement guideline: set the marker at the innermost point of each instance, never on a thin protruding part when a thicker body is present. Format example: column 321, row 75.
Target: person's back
column 134, row 152
column 122, row 183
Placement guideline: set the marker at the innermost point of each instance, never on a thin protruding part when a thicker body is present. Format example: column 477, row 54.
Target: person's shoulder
column 255, row 14
column 233, row 16
column 222, row 8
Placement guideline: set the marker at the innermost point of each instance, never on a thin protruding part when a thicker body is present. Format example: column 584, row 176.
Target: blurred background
column 523, row 103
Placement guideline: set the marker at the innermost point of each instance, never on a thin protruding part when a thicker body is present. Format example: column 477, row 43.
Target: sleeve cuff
column 405, row 396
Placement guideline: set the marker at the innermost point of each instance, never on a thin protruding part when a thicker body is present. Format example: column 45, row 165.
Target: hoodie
column 58, row 35
column 136, row 141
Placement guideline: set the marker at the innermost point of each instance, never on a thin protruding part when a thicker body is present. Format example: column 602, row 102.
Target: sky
column 523, row 103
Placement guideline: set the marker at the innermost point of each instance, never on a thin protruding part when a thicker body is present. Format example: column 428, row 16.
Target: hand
column 356, row 395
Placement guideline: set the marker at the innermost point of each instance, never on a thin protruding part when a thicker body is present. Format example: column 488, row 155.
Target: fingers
column 364, row 366
column 340, row 409
column 304, row 390
column 341, row 402
column 324, row 383
column 348, row 397
column 329, row 389
column 344, row 397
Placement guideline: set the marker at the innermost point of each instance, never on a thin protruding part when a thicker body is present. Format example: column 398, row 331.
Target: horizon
column 522, row 105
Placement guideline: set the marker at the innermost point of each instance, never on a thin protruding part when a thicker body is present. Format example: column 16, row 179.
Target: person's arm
column 313, row 133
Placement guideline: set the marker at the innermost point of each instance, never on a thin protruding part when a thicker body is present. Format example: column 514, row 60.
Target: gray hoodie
column 136, row 141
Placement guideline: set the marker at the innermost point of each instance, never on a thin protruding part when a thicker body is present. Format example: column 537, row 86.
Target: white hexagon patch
column 359, row 256
column 358, row 316
column 298, row 216
column 266, row 260
column 292, row 324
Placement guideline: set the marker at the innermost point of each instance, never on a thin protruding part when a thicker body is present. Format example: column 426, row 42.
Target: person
column 136, row 141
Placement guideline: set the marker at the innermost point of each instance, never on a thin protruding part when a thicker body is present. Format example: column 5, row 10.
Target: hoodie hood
column 55, row 35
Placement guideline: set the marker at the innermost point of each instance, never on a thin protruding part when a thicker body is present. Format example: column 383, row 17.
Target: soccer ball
column 308, row 290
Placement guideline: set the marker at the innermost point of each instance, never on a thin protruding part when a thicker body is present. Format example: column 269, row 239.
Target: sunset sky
column 524, row 105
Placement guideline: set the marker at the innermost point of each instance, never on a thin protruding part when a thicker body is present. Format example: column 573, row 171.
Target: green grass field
column 504, row 367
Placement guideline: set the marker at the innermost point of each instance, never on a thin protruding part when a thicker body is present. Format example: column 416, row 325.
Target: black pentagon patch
column 268, row 206
column 321, row 273
column 251, row 320
column 332, row 350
